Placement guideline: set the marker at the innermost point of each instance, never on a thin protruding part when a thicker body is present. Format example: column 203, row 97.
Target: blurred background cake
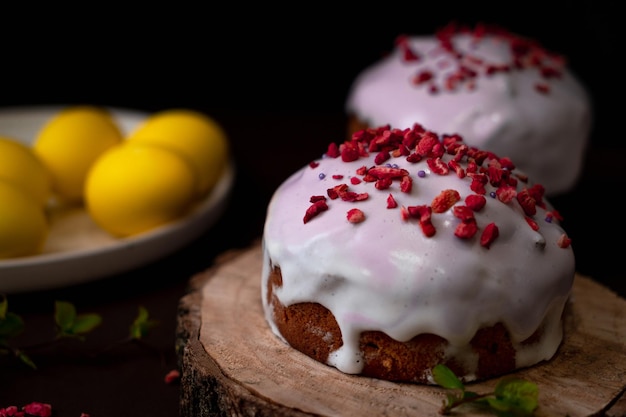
column 503, row 92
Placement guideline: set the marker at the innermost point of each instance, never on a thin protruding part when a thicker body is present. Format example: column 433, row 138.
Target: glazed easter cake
column 401, row 249
column 500, row 91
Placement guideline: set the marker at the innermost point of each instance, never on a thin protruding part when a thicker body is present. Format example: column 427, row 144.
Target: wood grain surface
column 232, row 364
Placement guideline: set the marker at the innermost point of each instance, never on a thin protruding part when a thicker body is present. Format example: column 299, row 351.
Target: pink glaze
column 545, row 132
column 385, row 274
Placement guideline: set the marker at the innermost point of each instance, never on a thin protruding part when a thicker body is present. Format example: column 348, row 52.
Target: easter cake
column 401, row 249
column 502, row 92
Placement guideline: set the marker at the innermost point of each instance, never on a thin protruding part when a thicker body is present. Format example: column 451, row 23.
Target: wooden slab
column 232, row 364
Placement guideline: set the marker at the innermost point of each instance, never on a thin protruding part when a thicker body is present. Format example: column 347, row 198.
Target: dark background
column 276, row 79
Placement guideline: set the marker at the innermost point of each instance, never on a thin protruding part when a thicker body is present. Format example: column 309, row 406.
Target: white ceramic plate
column 77, row 250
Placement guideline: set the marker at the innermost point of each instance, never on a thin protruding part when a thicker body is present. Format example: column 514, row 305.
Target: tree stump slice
column 233, row 365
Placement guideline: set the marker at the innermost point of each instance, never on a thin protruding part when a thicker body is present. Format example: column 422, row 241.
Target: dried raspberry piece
column 172, row 376
column 466, row 229
column 437, row 166
column 444, row 200
column 478, row 186
column 381, row 157
column 333, row 151
column 506, row 194
column 349, row 152
column 427, row 144
column 527, row 202
column 315, row 198
column 489, row 234
column 314, row 164
column 422, row 77
column 314, row 210
column 383, row 183
column 361, row 171
column 564, row 241
column 387, row 172
column 355, row 181
column 406, row 184
column 391, row 202
column 456, row 167
column 355, row 216
column 475, row 202
column 337, row 191
column 506, row 163
column 337, row 177
column 464, row 213
column 533, row 224
column 428, row 228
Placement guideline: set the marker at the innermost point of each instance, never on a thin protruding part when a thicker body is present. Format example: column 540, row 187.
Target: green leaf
column 64, row 316
column 85, row 323
column 142, row 324
column 25, row 359
column 446, row 378
column 10, row 325
column 517, row 395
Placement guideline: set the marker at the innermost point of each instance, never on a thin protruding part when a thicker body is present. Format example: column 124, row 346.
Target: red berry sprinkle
column 486, row 171
column 445, row 200
column 355, row 216
column 564, row 241
column 465, row 68
column 490, row 233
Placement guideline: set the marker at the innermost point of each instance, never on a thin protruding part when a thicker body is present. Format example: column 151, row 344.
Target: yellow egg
column 133, row 189
column 70, row 142
column 20, row 165
column 194, row 135
column 23, row 224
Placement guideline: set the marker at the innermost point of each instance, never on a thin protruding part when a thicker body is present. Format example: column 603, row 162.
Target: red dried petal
column 355, row 216
column 391, row 202
column 489, row 234
column 314, row 164
column 337, row 177
column 355, row 180
column 445, row 200
column 315, row 198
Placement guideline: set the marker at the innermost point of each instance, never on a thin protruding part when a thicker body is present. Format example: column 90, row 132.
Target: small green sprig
column 512, row 397
column 69, row 325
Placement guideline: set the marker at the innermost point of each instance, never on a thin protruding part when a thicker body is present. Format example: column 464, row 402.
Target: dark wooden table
column 281, row 104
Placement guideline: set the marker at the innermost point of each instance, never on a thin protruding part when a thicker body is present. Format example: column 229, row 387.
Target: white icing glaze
column 545, row 134
column 385, row 274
